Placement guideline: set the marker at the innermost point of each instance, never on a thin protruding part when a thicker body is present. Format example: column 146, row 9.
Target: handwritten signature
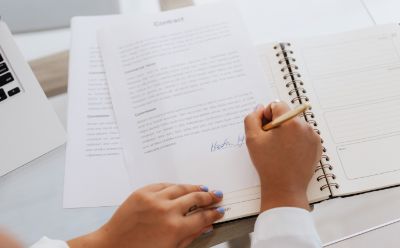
column 227, row 143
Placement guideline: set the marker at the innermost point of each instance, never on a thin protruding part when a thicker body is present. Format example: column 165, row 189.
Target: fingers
column 178, row 190
column 198, row 200
column 157, row 187
column 253, row 122
column 268, row 112
column 204, row 218
column 275, row 109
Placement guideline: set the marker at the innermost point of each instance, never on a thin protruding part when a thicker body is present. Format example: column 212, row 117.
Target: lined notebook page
column 353, row 82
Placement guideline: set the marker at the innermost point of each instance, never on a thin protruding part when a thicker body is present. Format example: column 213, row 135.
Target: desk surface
column 31, row 197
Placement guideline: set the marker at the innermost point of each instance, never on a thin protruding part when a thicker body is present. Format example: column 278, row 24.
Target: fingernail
column 259, row 106
column 218, row 193
column 274, row 102
column 221, row 210
column 204, row 188
column 209, row 230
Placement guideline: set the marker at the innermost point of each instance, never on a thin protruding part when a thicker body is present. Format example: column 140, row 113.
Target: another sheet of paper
column 384, row 11
column 282, row 20
column 181, row 84
column 95, row 174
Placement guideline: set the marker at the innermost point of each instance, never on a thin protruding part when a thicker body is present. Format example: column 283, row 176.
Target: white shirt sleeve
column 48, row 243
column 285, row 227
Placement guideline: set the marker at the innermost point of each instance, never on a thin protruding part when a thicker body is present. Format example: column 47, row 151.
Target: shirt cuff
column 48, row 243
column 286, row 223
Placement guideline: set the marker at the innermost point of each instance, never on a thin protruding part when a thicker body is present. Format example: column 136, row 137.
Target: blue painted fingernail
column 218, row 193
column 204, row 188
column 221, row 210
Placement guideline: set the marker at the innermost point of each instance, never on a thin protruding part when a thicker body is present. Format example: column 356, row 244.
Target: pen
column 287, row 116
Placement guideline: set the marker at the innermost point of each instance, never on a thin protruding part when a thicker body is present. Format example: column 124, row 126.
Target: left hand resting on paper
column 157, row 216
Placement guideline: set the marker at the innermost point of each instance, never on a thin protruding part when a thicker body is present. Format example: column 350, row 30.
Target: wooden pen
column 286, row 117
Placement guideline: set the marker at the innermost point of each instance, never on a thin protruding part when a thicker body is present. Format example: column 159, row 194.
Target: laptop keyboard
column 9, row 87
column 3, row 68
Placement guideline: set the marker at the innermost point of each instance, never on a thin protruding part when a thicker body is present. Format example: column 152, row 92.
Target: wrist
column 284, row 198
column 95, row 239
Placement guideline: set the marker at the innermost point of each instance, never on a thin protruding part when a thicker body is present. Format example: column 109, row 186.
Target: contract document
column 181, row 85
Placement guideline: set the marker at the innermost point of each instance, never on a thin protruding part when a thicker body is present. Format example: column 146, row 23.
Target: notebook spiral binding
column 297, row 92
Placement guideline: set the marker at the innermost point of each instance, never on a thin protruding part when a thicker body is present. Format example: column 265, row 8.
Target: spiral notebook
column 352, row 81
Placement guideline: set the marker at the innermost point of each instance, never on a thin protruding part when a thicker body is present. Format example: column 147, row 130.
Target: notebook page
column 353, row 84
column 95, row 174
column 181, row 83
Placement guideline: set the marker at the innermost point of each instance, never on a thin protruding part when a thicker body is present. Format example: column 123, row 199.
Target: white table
column 31, row 197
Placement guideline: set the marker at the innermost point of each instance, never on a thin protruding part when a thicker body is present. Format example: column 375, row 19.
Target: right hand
column 285, row 157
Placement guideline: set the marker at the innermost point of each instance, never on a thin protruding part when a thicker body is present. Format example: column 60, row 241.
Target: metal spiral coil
column 288, row 67
column 323, row 167
column 291, row 74
column 308, row 114
column 288, row 58
column 333, row 176
column 283, row 52
column 294, row 82
column 328, row 185
column 300, row 99
column 297, row 92
column 298, row 89
column 324, row 156
column 312, row 122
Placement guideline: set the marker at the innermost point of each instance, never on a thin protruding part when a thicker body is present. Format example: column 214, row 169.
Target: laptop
column 29, row 127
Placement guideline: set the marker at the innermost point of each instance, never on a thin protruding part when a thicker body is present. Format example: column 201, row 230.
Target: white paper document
column 95, row 174
column 384, row 11
column 272, row 20
column 181, row 84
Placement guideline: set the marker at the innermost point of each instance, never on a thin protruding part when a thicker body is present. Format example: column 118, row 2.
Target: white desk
column 31, row 197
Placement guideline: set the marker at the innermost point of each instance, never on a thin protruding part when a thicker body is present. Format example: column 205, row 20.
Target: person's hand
column 285, row 157
column 7, row 241
column 159, row 215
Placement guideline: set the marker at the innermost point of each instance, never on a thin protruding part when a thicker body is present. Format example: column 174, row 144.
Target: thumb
column 253, row 121
column 275, row 109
